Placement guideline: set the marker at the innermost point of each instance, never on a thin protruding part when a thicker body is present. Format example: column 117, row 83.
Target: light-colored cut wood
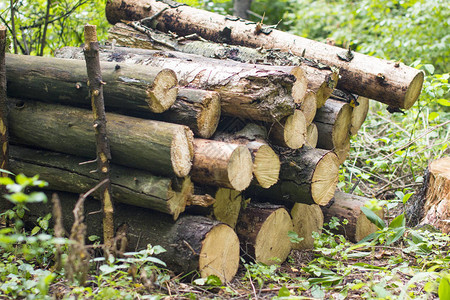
column 290, row 131
column 227, row 206
column 359, row 115
column 306, row 220
column 312, row 135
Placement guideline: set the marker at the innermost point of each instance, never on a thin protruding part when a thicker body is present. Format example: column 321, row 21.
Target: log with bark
column 247, row 91
column 263, row 232
column 348, row 206
column 4, row 137
column 63, row 172
column 390, row 82
column 307, row 175
column 132, row 86
column 290, row 131
column 162, row 148
column 306, row 220
column 266, row 164
column 320, row 78
column 192, row 243
column 222, row 164
column 198, row 109
column 333, row 125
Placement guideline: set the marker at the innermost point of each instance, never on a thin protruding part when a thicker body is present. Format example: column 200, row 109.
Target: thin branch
column 13, row 32
column 44, row 35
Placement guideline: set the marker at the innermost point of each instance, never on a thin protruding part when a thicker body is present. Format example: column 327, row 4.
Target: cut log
column 390, row 82
column 307, row 176
column 193, row 243
column 312, row 135
column 436, row 208
column 133, row 86
column 359, row 115
column 309, row 107
column 222, row 164
column 306, row 220
column 227, row 206
column 263, row 232
column 246, row 91
column 333, row 124
column 319, row 78
column 290, row 131
column 198, row 109
column 131, row 186
column 266, row 164
column 162, row 148
column 347, row 206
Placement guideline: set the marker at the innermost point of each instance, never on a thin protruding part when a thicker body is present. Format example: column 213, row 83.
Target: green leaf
column 444, row 287
column 213, row 280
column 368, row 266
column 294, row 238
column 35, row 230
column 36, row 197
column 284, row 292
column 429, row 68
column 443, row 102
column 6, row 181
column 373, row 218
column 158, row 249
column 370, row 237
column 406, row 197
column 7, row 172
column 398, row 235
column 399, row 221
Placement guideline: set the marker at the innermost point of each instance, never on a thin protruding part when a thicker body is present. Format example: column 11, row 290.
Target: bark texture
column 392, row 83
column 135, row 187
column 347, row 206
column 159, row 147
column 133, row 86
column 246, row 90
column 436, row 209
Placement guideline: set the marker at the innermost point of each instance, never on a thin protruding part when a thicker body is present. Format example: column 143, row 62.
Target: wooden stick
column 4, row 138
column 101, row 138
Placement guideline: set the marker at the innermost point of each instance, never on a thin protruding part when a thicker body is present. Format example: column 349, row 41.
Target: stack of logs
column 197, row 128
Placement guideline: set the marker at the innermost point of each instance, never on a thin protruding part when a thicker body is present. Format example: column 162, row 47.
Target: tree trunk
column 246, row 91
column 347, row 206
column 193, row 243
column 263, row 232
column 131, row 186
column 127, row 85
column 307, row 176
column 436, row 208
column 318, row 78
column 306, row 219
column 389, row 82
column 240, row 8
column 312, row 135
column 290, row 131
column 222, row 164
column 359, row 115
column 333, row 122
column 159, row 147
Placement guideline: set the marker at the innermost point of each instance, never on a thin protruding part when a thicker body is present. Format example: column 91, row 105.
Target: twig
column 13, row 25
column 44, row 34
column 4, row 140
column 91, row 54
column 417, row 138
column 251, row 283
